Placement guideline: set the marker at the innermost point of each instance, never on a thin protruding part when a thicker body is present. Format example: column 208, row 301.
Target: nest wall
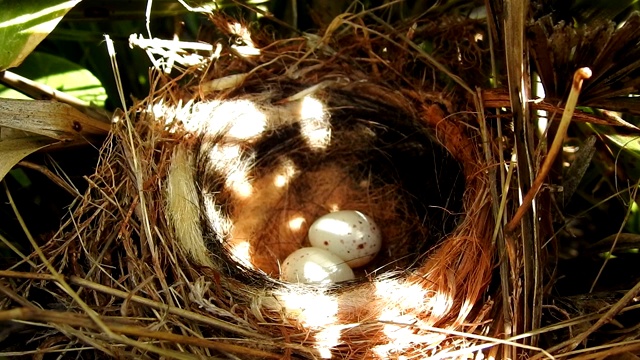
column 206, row 185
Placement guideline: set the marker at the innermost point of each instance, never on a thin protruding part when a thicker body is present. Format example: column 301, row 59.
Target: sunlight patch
column 314, row 122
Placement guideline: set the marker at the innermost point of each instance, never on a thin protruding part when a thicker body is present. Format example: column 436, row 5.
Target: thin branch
column 580, row 75
column 606, row 318
column 53, row 177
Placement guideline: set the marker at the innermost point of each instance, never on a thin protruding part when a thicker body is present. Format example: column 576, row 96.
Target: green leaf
column 24, row 24
column 21, row 177
column 633, row 224
column 626, row 152
column 60, row 74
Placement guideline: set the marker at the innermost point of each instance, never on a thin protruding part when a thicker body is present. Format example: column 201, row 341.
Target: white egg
column 351, row 235
column 313, row 265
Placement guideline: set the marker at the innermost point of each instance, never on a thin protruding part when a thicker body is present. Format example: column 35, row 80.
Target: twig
column 532, row 276
column 26, row 275
column 498, row 210
column 50, row 350
column 607, row 317
column 634, row 194
column 266, row 14
column 525, row 285
column 39, row 91
column 59, row 278
column 16, row 251
column 16, row 297
column 499, row 98
column 611, row 350
column 580, row 75
column 489, row 343
column 170, row 309
column 172, row 45
column 430, row 59
column 72, row 319
column 53, row 177
column 136, row 167
column 220, row 324
column 67, row 289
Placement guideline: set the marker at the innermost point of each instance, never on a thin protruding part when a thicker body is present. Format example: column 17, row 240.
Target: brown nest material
column 209, row 183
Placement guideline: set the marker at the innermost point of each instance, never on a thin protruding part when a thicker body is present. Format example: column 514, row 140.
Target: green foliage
column 626, row 152
column 60, row 74
column 24, row 24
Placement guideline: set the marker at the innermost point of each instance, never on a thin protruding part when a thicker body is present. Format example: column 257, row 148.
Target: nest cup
column 259, row 163
column 268, row 163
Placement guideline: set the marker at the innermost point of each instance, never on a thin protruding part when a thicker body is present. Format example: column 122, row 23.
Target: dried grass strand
column 116, row 325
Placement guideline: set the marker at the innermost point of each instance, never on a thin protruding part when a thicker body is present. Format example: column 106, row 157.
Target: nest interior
column 268, row 169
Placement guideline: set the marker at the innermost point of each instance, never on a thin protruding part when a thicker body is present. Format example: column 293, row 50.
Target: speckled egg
column 349, row 234
column 312, row 265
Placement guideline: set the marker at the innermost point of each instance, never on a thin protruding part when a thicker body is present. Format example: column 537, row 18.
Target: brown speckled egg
column 349, row 234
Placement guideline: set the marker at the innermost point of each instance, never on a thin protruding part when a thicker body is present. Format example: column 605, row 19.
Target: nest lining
column 259, row 191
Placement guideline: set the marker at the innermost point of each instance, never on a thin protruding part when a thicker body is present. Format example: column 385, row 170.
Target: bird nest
column 205, row 187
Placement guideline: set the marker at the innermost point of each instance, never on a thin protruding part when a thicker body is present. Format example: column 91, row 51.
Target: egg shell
column 314, row 266
column 350, row 234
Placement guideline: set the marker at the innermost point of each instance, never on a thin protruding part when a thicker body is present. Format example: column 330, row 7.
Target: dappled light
column 335, row 227
column 241, row 251
column 295, row 224
column 228, row 158
column 285, row 173
column 328, row 338
column 313, row 308
column 405, row 294
column 314, row 122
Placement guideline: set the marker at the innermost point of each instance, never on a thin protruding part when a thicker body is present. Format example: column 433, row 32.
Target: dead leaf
column 49, row 118
column 14, row 150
